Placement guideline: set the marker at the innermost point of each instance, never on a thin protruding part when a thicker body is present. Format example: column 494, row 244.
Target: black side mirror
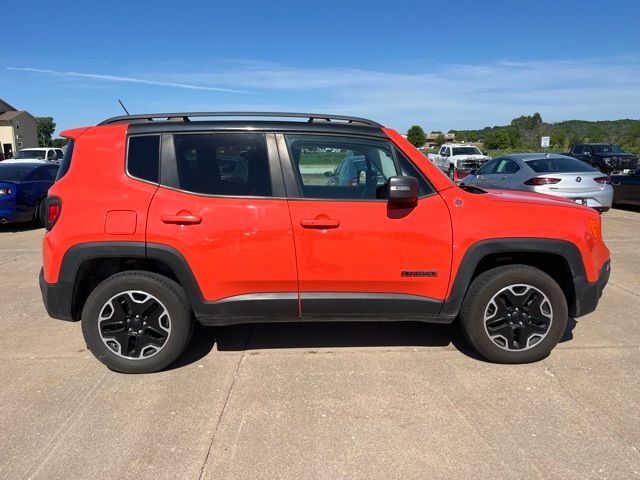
column 473, row 171
column 328, row 174
column 403, row 191
column 484, row 152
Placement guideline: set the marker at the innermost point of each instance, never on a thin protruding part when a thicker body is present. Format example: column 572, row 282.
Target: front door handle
column 320, row 223
column 181, row 218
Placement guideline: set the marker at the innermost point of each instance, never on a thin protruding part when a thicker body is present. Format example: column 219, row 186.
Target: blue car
column 23, row 188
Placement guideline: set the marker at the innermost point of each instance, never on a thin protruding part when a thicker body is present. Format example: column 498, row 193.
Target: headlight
column 6, row 191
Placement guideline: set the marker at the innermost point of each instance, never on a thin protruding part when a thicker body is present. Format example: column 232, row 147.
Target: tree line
column 525, row 132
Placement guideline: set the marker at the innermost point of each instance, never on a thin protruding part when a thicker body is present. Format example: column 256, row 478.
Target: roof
column 533, row 155
column 187, row 116
column 458, row 145
column 4, row 106
column 10, row 115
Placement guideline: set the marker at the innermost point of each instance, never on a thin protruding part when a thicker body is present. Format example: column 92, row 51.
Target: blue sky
column 464, row 64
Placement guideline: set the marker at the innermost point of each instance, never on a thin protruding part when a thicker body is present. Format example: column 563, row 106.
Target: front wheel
column 137, row 322
column 514, row 314
column 450, row 172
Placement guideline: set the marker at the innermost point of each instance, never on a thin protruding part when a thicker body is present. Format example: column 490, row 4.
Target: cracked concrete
column 326, row 401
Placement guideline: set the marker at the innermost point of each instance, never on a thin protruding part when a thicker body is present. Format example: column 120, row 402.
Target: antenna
column 123, row 107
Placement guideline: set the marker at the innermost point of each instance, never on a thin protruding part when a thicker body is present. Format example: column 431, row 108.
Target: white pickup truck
column 458, row 159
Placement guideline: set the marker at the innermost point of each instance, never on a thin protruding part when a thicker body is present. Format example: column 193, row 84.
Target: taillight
column 606, row 180
column 53, row 208
column 542, row 181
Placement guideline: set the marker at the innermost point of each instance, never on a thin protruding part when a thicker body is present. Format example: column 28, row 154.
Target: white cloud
column 114, row 78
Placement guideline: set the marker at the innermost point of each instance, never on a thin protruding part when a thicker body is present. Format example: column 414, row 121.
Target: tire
column 450, row 172
column 528, row 340
column 38, row 215
column 110, row 325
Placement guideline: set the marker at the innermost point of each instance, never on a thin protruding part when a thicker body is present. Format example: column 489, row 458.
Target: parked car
column 44, row 154
column 458, row 159
column 557, row 175
column 350, row 171
column 166, row 239
column 606, row 157
column 626, row 188
column 23, row 188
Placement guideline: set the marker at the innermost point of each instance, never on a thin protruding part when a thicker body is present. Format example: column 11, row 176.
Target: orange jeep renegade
column 159, row 220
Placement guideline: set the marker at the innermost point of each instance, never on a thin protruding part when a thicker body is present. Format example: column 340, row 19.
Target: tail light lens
column 542, row 181
column 53, row 209
column 606, row 180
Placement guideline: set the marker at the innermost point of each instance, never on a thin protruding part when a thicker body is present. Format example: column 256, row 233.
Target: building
column 18, row 130
column 431, row 138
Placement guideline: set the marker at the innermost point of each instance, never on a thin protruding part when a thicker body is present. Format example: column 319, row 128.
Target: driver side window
column 330, row 167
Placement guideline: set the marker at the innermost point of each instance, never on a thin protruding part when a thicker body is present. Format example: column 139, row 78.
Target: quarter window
column 143, row 159
column 234, row 164
column 341, row 167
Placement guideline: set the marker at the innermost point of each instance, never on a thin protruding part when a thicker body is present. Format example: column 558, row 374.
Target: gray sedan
column 552, row 174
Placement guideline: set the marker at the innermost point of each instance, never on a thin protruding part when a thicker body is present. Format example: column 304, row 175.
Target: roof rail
column 186, row 116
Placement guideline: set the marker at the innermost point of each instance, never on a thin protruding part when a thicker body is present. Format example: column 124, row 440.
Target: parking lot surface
column 330, row 401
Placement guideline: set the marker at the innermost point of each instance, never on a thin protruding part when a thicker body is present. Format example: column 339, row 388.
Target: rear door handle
column 320, row 223
column 181, row 219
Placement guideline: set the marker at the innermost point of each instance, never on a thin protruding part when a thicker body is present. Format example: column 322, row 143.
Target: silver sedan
column 552, row 174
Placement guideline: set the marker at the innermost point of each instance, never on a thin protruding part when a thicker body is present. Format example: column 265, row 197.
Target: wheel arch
column 558, row 258
column 86, row 265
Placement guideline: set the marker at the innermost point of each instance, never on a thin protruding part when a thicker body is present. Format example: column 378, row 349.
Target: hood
column 515, row 196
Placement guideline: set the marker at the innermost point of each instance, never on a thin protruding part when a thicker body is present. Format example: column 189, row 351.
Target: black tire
column 450, row 172
column 485, row 290
column 166, row 293
column 38, row 215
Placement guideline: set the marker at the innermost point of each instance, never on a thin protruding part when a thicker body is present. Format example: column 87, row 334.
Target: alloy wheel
column 134, row 324
column 518, row 317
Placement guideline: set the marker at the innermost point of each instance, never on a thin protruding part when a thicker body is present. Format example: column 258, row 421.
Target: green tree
column 46, row 127
column 416, row 136
column 440, row 139
column 497, row 139
column 59, row 142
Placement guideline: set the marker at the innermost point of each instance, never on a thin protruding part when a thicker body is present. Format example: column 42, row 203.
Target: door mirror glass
column 403, row 191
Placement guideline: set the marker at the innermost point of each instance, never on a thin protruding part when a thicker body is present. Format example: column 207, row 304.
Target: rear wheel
column 39, row 214
column 514, row 314
column 450, row 172
column 137, row 322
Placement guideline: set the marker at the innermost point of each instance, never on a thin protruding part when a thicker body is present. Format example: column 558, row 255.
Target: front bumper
column 588, row 294
column 57, row 298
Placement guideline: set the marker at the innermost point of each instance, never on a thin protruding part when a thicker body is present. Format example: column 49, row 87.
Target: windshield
column 13, row 173
column 466, row 151
column 36, row 154
column 562, row 164
column 607, row 149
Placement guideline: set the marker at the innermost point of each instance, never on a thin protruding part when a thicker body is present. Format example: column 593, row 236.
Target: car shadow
column 312, row 336
column 19, row 227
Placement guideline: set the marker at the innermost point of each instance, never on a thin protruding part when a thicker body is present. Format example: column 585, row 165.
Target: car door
column 221, row 206
column 505, row 175
column 486, row 174
column 356, row 255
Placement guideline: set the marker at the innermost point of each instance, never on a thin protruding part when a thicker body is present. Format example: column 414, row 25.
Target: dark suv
column 159, row 220
column 606, row 157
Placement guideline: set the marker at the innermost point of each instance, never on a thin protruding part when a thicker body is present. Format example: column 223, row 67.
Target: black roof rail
column 186, row 116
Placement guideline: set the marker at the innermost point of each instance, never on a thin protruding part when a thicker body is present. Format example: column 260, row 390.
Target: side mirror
column 484, row 152
column 403, row 191
column 587, row 153
column 328, row 174
column 473, row 171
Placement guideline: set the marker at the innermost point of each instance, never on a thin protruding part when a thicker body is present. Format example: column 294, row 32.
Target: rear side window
column 233, row 164
column 565, row 164
column 143, row 158
column 65, row 163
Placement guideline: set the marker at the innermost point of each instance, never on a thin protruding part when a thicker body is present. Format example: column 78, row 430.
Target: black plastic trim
column 347, row 304
column 480, row 250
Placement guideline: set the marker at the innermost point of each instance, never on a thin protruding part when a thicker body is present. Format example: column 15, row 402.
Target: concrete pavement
column 332, row 401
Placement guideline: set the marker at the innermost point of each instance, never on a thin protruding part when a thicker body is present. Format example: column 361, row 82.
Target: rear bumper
column 57, row 298
column 588, row 294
